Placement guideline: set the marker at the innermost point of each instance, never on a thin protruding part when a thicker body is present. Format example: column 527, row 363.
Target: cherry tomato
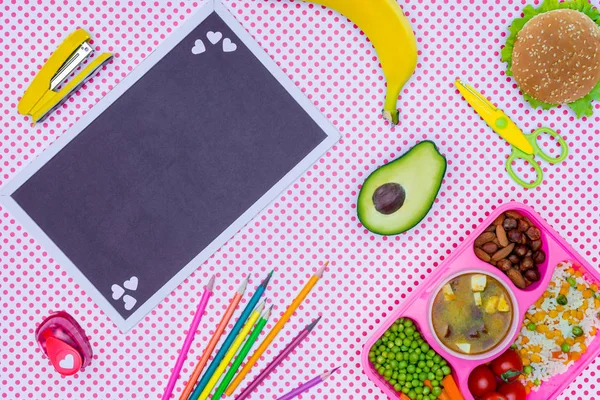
column 482, row 381
column 508, row 366
column 493, row 396
column 513, row 391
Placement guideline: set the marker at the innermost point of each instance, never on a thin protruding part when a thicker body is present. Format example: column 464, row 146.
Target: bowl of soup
column 473, row 315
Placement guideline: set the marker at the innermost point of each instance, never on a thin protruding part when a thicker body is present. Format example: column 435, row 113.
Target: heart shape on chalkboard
column 199, row 47
column 117, row 291
column 131, row 283
column 214, row 37
column 229, row 46
column 68, row 362
column 129, row 302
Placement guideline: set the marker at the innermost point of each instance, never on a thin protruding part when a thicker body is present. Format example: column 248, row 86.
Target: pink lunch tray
column 463, row 260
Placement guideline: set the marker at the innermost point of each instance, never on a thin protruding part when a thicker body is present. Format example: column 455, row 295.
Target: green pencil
column 242, row 354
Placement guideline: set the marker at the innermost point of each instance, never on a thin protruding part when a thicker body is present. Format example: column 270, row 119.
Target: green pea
column 527, row 369
column 431, row 376
column 422, row 357
column 413, row 358
column 391, row 355
column 409, row 377
column 395, row 349
column 401, row 377
column 421, row 364
column 435, row 383
column 398, row 342
column 429, row 363
column 422, row 376
column 537, row 382
column 414, row 345
column 392, row 381
column 415, row 383
column 412, row 394
column 381, row 370
column 436, row 391
column 443, row 362
column 407, row 342
column 424, row 347
column 397, row 387
column 409, row 331
column 426, row 390
column 402, row 364
column 405, row 389
column 572, row 281
column 419, row 390
column 411, row 369
column 408, row 323
column 427, row 369
column 394, row 328
column 561, row 299
column 405, row 356
column 437, row 358
column 565, row 347
column 531, row 326
column 408, row 385
column 439, row 373
column 513, row 346
column 577, row 331
column 431, row 353
column 382, row 348
column 399, row 357
column 403, row 348
column 446, row 370
column 418, row 370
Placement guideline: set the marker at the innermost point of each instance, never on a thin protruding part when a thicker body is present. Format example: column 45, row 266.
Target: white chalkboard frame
column 11, row 206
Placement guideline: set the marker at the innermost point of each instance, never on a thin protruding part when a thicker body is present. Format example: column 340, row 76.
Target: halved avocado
column 398, row 195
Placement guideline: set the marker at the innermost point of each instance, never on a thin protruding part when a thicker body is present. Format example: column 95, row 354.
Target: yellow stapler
column 40, row 98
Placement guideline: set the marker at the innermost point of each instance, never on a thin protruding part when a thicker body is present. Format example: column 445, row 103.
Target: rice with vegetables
column 558, row 328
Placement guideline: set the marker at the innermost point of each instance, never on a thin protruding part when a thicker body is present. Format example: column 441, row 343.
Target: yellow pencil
column 239, row 340
column 276, row 329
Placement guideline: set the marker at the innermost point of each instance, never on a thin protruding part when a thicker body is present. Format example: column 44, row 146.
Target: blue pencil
column 230, row 338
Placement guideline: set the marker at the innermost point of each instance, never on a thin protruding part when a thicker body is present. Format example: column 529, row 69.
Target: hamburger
column 553, row 53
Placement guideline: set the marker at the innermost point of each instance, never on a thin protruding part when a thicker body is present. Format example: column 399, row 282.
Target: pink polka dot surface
column 333, row 62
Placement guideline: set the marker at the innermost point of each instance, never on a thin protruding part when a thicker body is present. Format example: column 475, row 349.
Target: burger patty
column 556, row 56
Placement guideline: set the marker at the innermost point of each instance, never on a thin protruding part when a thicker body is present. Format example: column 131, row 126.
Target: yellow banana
column 388, row 29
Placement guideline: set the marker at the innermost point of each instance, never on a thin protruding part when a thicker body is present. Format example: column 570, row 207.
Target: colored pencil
column 230, row 338
column 307, row 385
column 242, row 354
column 276, row 329
column 208, row 291
column 235, row 300
column 277, row 360
column 232, row 351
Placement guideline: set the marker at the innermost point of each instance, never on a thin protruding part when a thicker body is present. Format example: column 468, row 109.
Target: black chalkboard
column 169, row 166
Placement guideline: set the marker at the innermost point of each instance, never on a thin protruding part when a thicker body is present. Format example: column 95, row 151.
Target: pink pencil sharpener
column 63, row 340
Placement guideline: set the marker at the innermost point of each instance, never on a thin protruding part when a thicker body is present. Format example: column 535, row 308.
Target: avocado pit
column 389, row 198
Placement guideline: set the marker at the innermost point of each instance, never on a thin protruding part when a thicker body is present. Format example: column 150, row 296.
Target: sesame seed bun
column 556, row 56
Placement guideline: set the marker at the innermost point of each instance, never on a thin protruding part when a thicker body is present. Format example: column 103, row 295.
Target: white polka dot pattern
column 332, row 61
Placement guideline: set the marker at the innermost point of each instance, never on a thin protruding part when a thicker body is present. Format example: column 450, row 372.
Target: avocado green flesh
column 420, row 172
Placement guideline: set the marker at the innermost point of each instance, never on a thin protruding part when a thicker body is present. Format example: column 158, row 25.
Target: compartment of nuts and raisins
column 514, row 245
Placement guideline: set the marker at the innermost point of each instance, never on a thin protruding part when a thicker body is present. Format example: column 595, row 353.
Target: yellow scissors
column 524, row 146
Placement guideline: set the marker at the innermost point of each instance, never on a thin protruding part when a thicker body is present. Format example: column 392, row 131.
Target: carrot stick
column 404, row 397
column 427, row 383
column 451, row 388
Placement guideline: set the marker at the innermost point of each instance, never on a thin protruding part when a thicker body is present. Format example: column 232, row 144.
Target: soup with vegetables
column 472, row 313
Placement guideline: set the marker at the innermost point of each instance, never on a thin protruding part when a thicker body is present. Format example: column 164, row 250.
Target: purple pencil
column 278, row 360
column 307, row 385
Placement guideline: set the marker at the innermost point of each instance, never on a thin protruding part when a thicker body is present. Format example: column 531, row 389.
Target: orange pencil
column 235, row 300
column 276, row 329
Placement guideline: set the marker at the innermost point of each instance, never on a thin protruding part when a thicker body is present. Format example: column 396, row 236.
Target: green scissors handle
column 537, row 151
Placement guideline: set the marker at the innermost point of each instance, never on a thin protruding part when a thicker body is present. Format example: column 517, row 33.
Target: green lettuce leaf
column 581, row 107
